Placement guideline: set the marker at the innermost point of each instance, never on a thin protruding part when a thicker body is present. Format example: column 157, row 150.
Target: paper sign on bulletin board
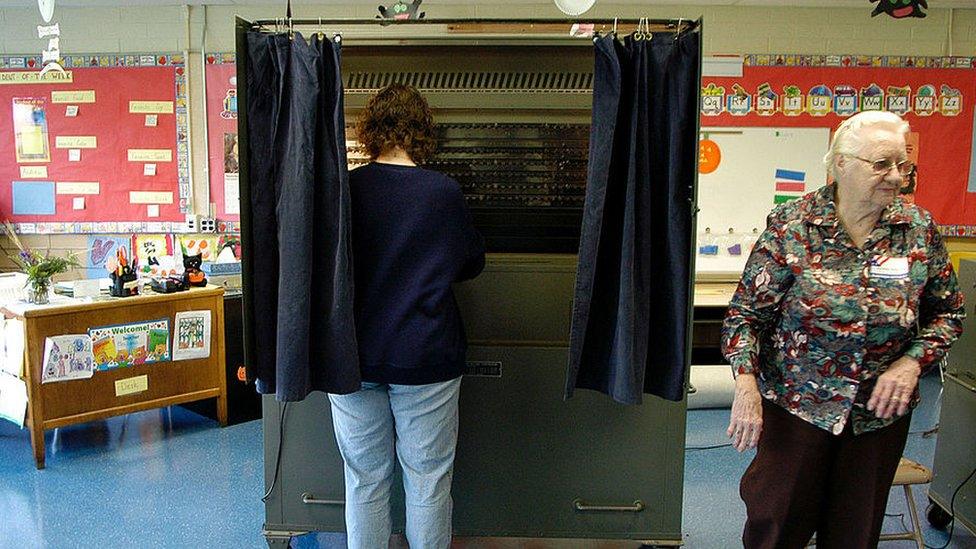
column 221, row 75
column 79, row 133
column 934, row 95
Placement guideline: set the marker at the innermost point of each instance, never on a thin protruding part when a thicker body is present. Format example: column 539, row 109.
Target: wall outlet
column 207, row 225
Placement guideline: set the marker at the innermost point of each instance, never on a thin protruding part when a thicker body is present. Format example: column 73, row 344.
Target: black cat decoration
column 192, row 274
column 900, row 9
column 400, row 10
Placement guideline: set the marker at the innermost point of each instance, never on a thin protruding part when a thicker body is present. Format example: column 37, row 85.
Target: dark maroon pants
column 805, row 480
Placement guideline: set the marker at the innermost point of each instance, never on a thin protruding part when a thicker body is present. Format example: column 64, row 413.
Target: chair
column 908, row 474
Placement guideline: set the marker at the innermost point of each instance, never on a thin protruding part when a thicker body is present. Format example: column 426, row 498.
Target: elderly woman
column 412, row 237
column 848, row 297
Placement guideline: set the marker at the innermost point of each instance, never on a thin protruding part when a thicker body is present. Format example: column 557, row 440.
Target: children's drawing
column 67, row 357
column 191, row 335
column 126, row 345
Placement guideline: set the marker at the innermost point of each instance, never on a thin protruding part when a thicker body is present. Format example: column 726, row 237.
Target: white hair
column 849, row 137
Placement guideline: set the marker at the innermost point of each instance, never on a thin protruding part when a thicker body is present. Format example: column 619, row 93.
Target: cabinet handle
column 310, row 499
column 637, row 507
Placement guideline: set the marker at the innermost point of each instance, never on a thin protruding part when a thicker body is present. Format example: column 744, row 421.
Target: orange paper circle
column 709, row 156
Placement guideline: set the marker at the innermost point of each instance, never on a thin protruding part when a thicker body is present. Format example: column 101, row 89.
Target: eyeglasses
column 880, row 167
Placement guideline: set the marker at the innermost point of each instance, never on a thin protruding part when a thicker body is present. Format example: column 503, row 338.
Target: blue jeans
column 420, row 424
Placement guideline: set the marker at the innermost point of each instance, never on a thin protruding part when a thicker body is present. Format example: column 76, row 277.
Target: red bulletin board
column 221, row 75
column 115, row 82
column 937, row 102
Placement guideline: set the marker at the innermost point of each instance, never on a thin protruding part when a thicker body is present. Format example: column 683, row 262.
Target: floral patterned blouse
column 818, row 319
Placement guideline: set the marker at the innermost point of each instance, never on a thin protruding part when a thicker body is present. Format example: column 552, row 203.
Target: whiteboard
column 740, row 193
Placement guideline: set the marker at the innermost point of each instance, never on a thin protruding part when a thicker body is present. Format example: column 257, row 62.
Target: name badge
column 889, row 267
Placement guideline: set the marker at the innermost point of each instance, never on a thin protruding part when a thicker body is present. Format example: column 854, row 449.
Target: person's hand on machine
column 745, row 424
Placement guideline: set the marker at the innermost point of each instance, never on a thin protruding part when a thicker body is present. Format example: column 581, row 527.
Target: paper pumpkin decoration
column 709, row 156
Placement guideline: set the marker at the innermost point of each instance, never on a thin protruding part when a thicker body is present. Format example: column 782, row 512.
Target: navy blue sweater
column 411, row 238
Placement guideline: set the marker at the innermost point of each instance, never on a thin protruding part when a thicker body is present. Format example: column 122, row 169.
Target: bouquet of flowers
column 38, row 268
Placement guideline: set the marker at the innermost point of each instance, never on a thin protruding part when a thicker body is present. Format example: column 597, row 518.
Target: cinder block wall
column 727, row 30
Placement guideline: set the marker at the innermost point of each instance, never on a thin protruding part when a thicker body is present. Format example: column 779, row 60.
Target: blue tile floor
column 170, row 478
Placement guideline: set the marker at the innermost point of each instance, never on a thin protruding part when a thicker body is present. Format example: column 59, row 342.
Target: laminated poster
column 191, row 335
column 100, row 249
column 13, row 347
column 231, row 176
column 198, row 244
column 125, row 345
column 67, row 357
column 30, row 130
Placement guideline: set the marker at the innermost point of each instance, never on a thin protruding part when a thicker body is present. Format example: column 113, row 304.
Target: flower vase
column 39, row 291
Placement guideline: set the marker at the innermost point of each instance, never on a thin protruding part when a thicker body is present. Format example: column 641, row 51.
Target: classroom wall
column 727, row 30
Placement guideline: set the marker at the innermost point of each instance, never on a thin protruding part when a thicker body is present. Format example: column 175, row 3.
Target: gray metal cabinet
column 310, row 468
column 955, row 450
column 529, row 464
column 961, row 360
column 526, row 458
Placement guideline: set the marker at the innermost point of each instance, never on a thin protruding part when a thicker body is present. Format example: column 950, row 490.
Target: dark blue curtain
column 301, row 291
column 631, row 308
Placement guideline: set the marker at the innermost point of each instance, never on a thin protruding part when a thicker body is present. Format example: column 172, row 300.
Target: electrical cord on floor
column 699, row 448
column 281, row 439
column 926, row 433
column 901, row 519
column 952, row 512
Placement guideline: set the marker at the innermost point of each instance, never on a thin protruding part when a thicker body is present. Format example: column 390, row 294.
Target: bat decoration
column 900, row 9
column 401, row 10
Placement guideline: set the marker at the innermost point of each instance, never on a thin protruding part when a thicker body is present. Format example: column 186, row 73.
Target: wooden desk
column 52, row 405
column 711, row 303
column 714, row 294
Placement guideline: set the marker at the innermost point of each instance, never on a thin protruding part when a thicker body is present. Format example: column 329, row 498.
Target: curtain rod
column 671, row 25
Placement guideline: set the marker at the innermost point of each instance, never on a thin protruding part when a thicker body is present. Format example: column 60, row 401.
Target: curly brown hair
column 397, row 116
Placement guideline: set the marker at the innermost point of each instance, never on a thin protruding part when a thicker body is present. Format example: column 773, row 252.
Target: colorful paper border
column 900, row 61
column 119, row 227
